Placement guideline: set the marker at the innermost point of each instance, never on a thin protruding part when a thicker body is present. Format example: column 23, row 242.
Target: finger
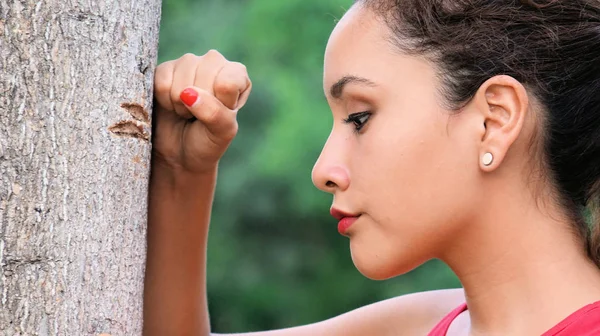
column 163, row 79
column 230, row 83
column 245, row 94
column 207, row 69
column 183, row 76
column 207, row 109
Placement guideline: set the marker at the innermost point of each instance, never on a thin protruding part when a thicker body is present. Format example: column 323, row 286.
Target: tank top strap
column 583, row 322
column 442, row 328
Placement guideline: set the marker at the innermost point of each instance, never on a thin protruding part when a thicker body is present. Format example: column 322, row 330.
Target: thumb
column 208, row 110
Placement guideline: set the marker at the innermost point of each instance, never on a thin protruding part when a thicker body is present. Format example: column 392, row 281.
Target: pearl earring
column 488, row 158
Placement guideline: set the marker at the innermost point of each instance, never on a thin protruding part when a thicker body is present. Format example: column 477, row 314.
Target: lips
column 345, row 220
column 345, row 223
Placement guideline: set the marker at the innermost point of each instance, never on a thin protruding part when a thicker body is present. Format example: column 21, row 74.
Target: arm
column 175, row 283
column 197, row 100
column 408, row 315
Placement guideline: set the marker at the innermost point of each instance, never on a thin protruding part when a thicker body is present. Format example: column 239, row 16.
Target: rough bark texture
column 75, row 88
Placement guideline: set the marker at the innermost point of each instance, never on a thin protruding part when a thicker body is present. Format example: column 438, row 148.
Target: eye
column 358, row 119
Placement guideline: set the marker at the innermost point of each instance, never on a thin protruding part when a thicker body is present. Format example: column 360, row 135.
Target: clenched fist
column 198, row 98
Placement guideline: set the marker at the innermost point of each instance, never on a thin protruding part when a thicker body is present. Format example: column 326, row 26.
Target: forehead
column 357, row 46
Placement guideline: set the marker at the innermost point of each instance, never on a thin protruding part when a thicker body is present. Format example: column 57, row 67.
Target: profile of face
column 409, row 168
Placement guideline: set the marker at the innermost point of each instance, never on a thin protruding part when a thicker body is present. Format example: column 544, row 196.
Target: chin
column 382, row 265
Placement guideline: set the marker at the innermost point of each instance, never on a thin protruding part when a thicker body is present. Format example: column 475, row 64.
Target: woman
column 467, row 131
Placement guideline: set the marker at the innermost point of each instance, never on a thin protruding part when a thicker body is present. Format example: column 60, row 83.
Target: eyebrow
column 337, row 89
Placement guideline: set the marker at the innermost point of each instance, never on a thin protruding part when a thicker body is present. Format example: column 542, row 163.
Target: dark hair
column 552, row 47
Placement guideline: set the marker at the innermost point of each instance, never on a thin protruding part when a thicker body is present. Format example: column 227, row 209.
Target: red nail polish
column 189, row 96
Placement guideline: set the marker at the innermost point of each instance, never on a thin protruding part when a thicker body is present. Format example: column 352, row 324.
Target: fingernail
column 189, row 96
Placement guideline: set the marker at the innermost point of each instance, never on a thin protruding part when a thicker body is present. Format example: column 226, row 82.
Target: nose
column 330, row 174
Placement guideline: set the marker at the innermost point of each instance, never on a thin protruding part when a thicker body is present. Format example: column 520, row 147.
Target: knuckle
column 240, row 66
column 214, row 56
column 234, row 129
column 231, row 132
column 174, row 95
column 161, row 85
column 162, row 88
column 188, row 57
column 239, row 70
column 213, row 53
column 225, row 86
column 163, row 77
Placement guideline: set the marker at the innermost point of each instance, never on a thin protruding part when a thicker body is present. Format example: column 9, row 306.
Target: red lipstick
column 346, row 220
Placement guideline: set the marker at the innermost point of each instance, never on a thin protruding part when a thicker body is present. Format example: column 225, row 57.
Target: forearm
column 179, row 208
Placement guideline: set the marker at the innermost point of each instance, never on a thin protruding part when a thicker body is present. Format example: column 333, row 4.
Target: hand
column 198, row 98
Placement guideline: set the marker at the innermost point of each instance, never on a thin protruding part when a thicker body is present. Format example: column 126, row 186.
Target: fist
column 197, row 101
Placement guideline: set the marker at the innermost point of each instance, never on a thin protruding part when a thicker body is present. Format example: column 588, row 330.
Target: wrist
column 179, row 178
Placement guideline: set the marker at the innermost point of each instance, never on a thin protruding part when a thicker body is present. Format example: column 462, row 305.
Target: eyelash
column 358, row 119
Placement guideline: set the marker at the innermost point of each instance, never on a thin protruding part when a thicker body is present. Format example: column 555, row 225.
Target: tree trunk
column 75, row 91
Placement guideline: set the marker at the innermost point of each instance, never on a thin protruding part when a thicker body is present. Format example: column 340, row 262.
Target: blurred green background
column 275, row 257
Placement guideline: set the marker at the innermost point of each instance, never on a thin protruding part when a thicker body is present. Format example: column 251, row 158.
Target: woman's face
column 410, row 172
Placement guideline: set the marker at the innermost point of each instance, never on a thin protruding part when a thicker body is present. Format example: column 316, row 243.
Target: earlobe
column 504, row 104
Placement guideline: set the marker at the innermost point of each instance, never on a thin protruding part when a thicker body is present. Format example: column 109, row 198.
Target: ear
column 503, row 103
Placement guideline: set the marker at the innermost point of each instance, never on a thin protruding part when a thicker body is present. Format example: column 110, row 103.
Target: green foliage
column 275, row 258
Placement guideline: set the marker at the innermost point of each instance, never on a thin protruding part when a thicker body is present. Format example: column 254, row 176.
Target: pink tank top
column 584, row 322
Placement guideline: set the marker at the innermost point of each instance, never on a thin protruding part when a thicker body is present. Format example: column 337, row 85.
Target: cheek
column 419, row 165
column 414, row 184
column 406, row 164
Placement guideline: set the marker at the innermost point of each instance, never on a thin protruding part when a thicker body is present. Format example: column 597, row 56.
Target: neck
column 522, row 268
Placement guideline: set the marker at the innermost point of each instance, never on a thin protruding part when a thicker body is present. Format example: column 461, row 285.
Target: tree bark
column 75, row 90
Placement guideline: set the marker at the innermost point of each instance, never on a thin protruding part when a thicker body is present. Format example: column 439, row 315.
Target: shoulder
column 412, row 314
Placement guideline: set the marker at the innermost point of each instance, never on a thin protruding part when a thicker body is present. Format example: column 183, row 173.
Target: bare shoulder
column 412, row 314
